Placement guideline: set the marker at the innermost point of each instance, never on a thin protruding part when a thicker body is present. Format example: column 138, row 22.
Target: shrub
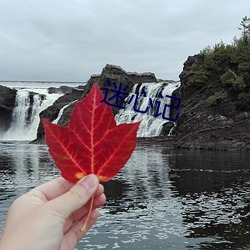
column 216, row 98
column 244, row 68
column 197, row 75
column 242, row 96
column 239, row 84
column 234, row 81
column 227, row 78
column 206, row 51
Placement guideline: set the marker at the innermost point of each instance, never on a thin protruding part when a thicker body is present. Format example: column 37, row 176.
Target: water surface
column 162, row 199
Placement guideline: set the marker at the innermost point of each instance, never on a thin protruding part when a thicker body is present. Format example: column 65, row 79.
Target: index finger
column 54, row 188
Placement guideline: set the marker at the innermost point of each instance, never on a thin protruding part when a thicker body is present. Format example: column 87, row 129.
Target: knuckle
column 78, row 194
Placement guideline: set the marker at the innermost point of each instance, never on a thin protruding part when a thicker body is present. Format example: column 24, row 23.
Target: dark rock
column 242, row 116
column 224, row 126
column 113, row 74
column 31, row 101
column 52, row 112
column 166, row 128
column 165, row 142
column 109, row 73
column 7, row 105
column 191, row 60
column 63, row 89
column 174, row 112
column 80, row 87
column 118, row 75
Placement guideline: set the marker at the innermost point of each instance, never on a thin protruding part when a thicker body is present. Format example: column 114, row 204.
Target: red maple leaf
column 92, row 142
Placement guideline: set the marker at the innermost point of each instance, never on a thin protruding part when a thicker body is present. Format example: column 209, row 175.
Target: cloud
column 70, row 40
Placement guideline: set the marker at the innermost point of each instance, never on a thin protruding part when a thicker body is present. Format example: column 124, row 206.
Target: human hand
column 50, row 216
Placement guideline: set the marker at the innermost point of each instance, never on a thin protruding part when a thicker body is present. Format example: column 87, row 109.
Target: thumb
column 76, row 197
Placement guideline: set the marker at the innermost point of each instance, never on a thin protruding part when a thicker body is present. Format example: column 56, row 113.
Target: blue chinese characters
column 120, row 94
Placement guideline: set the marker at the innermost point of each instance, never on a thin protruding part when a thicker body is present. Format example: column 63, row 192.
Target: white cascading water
column 26, row 119
column 24, row 125
column 150, row 126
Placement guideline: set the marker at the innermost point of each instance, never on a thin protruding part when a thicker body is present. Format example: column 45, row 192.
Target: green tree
column 245, row 28
column 216, row 98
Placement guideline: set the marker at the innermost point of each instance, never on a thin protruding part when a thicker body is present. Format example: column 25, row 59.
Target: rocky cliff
column 118, row 75
column 112, row 73
column 212, row 115
column 7, row 104
column 215, row 100
column 51, row 113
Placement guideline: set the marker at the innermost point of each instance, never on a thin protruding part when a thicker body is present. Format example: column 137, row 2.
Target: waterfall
column 25, row 117
column 150, row 125
column 20, row 112
column 31, row 101
column 61, row 112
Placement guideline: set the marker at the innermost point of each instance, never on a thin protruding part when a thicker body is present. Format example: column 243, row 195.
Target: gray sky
column 68, row 40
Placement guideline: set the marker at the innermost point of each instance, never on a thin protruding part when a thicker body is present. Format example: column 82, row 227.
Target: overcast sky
column 68, row 40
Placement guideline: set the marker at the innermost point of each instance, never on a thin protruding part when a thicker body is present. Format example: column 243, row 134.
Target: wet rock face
column 7, row 105
column 167, row 128
column 110, row 72
column 224, row 126
column 118, row 75
column 52, row 112
column 64, row 89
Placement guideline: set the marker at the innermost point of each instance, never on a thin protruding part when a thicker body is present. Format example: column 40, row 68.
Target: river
column 162, row 199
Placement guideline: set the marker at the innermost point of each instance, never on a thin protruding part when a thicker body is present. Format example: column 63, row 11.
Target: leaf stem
column 88, row 216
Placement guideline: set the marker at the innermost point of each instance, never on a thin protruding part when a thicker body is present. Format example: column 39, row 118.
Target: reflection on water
column 22, row 167
column 160, row 200
column 215, row 191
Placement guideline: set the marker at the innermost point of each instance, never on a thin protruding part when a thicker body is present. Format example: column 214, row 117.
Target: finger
column 77, row 215
column 99, row 201
column 75, row 234
column 99, row 190
column 75, row 198
column 54, row 188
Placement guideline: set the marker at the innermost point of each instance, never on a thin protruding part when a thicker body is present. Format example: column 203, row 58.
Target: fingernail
column 89, row 182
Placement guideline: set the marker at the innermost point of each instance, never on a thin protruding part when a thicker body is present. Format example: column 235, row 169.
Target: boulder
column 110, row 74
column 115, row 74
column 118, row 75
column 52, row 112
column 7, row 104
column 63, row 89
column 166, row 128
